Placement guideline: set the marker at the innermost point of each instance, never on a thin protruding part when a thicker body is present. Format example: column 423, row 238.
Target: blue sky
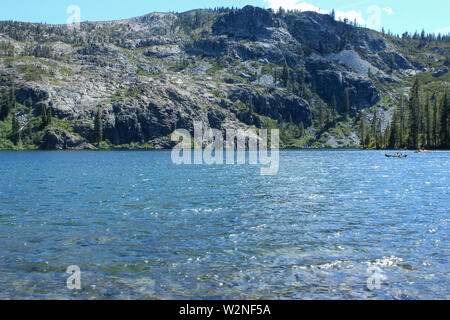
column 396, row 15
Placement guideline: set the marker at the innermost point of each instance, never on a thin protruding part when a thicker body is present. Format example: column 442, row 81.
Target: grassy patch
column 32, row 72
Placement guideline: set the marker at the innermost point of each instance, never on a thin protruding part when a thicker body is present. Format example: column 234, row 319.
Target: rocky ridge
column 156, row 73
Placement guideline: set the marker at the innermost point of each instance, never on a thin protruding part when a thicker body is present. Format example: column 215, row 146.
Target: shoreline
column 165, row 150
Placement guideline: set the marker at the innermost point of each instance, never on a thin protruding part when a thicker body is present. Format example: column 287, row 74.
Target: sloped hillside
column 313, row 77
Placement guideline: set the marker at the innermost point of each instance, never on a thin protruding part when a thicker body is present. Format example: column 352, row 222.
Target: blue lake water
column 140, row 227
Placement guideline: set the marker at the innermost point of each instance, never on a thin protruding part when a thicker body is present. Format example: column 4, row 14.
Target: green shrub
column 32, row 72
column 6, row 144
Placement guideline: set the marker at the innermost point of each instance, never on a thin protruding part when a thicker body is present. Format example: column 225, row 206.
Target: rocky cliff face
column 57, row 139
column 229, row 69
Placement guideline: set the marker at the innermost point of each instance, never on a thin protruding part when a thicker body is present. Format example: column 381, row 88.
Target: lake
column 330, row 223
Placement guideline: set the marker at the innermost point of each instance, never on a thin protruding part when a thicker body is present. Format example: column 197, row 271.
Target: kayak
column 395, row 156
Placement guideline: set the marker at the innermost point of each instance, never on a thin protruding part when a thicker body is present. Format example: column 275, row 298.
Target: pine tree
column 385, row 137
column 30, row 116
column 378, row 135
column 49, row 116
column 444, row 130
column 333, row 109
column 435, row 123
column 362, row 131
column 44, row 115
column 394, row 134
column 15, row 125
column 8, row 103
column 367, row 139
column 422, row 124
column 5, row 107
column 402, row 125
column 98, row 126
column 301, row 130
column 373, row 127
column 12, row 97
column 428, row 122
column 414, row 113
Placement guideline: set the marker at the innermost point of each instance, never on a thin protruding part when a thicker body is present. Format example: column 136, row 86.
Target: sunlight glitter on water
column 162, row 231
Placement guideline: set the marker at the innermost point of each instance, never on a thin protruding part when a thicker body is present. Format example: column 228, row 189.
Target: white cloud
column 351, row 16
column 443, row 31
column 309, row 7
column 304, row 6
column 388, row 10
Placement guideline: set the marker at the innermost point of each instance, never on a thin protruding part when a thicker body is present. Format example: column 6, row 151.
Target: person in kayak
column 397, row 155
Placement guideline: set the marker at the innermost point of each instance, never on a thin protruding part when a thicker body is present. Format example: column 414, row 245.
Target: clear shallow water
column 140, row 227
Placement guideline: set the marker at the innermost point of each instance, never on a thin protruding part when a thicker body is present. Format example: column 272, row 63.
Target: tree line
column 26, row 130
column 420, row 122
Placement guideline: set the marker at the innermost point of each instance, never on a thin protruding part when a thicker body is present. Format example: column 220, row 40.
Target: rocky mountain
column 303, row 72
